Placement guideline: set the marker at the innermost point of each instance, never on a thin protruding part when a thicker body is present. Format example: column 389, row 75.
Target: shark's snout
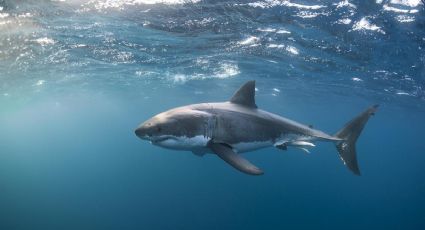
column 139, row 132
column 143, row 131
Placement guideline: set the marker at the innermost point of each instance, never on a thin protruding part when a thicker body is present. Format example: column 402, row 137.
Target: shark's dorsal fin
column 245, row 95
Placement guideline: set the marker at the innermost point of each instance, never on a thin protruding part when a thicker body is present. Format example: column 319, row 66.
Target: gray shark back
column 234, row 123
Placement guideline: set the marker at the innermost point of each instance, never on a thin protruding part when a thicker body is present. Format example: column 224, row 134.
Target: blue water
column 77, row 76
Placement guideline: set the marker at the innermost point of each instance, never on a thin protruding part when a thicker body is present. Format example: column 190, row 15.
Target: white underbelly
column 200, row 142
column 251, row 146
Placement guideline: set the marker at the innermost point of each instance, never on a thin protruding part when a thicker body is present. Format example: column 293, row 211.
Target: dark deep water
column 76, row 78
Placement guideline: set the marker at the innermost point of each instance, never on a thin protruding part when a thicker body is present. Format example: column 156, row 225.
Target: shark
column 228, row 129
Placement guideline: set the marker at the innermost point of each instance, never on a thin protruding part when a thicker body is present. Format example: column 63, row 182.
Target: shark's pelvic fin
column 226, row 153
column 245, row 95
column 303, row 145
column 282, row 146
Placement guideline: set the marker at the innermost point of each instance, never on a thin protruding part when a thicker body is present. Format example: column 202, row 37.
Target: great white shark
column 230, row 128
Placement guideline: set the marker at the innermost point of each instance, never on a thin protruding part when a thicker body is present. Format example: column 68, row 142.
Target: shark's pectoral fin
column 226, row 153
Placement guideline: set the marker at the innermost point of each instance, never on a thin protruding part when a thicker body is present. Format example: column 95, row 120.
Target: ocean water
column 78, row 76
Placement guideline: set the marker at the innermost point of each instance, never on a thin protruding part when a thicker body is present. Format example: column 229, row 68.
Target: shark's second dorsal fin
column 245, row 95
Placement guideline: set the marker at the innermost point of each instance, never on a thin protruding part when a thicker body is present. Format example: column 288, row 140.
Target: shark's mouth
column 159, row 139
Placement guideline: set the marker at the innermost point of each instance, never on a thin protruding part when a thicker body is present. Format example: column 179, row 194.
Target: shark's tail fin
column 349, row 133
